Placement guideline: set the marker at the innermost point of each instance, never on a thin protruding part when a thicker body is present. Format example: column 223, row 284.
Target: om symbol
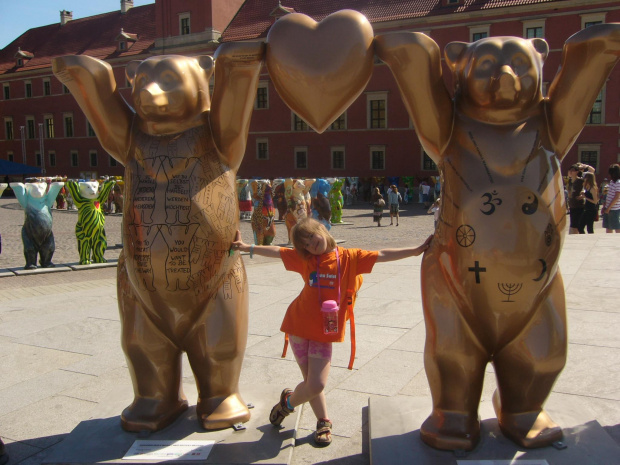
column 491, row 202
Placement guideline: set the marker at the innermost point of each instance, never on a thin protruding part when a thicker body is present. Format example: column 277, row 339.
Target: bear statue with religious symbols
column 492, row 290
column 179, row 288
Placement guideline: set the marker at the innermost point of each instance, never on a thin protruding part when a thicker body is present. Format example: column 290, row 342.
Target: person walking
column 377, row 206
column 332, row 278
column 590, row 210
column 394, row 198
column 611, row 208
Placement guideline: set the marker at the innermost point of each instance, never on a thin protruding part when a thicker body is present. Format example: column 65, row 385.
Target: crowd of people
column 585, row 198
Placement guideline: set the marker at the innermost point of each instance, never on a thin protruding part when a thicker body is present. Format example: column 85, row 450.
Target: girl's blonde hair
column 589, row 179
column 305, row 228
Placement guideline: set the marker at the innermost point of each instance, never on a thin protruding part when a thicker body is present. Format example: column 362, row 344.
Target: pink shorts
column 305, row 348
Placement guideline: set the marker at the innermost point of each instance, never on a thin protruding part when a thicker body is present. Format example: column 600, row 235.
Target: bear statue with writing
column 90, row 226
column 37, row 235
column 492, row 290
column 296, row 203
column 179, row 288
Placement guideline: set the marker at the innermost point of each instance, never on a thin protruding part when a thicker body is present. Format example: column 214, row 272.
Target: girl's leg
column 311, row 389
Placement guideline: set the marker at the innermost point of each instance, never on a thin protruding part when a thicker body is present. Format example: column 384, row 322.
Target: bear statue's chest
column 180, row 213
column 503, row 210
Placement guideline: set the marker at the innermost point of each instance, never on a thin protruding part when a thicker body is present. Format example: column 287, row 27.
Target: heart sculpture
column 319, row 69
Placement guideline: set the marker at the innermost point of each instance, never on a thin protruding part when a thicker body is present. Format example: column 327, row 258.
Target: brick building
column 373, row 138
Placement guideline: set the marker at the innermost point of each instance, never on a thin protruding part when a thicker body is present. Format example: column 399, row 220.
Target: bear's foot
column 527, row 429
column 447, row 430
column 216, row 414
column 30, row 266
column 48, row 265
column 151, row 414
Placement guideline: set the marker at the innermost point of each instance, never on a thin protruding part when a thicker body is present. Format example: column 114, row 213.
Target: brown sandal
column 280, row 411
column 323, row 433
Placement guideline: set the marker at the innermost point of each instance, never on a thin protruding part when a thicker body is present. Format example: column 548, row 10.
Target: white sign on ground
column 169, row 450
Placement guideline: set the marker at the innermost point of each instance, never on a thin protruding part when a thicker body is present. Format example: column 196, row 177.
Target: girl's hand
column 238, row 244
column 427, row 243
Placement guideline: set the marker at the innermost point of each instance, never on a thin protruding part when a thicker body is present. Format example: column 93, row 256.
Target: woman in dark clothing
column 591, row 208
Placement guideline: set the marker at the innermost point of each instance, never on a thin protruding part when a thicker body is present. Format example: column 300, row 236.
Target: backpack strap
column 285, row 345
column 350, row 304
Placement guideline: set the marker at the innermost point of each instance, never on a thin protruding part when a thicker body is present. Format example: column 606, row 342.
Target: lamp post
column 41, row 148
column 22, row 132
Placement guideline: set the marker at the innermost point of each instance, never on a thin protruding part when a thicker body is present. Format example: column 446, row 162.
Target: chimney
column 65, row 17
column 126, row 5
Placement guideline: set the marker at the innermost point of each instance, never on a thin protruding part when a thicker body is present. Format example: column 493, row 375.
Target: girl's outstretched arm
column 388, row 255
column 265, row 250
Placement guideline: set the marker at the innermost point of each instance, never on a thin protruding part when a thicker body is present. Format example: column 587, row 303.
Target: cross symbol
column 477, row 269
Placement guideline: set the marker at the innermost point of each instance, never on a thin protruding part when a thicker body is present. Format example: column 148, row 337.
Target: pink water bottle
column 329, row 310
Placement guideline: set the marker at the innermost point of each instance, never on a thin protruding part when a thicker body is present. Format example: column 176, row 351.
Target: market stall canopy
column 12, row 169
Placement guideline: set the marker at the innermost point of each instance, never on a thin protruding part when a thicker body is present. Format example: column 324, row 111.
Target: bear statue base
column 394, row 425
column 101, row 439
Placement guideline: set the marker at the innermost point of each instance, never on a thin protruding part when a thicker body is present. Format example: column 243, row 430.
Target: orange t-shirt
column 303, row 317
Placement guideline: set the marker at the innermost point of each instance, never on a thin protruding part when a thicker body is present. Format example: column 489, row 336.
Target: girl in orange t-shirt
column 329, row 273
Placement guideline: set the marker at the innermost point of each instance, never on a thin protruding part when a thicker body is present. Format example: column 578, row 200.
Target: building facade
column 373, row 138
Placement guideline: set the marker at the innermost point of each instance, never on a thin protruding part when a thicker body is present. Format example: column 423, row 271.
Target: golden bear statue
column 179, row 289
column 492, row 290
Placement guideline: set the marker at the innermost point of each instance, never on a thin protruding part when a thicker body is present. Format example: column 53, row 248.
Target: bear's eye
column 519, row 62
column 168, row 77
column 486, row 64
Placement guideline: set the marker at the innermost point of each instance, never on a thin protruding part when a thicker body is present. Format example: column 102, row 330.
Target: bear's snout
column 507, row 85
column 153, row 96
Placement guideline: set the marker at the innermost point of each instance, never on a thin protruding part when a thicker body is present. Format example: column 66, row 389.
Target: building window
column 37, row 158
column 427, row 163
column 299, row 124
column 592, row 19
column 589, row 154
column 65, row 89
column 596, row 115
column 10, row 156
column 47, row 87
column 49, row 126
column 122, row 45
column 337, row 158
column 30, row 127
column 262, row 149
column 301, row 158
column 377, row 158
column 262, row 96
column 28, row 89
column 113, row 162
column 8, row 129
column 534, row 29
column 91, row 131
column 479, row 32
column 7, row 91
column 377, row 110
column 340, row 123
column 20, row 62
column 52, row 156
column 184, row 28
column 68, row 120
column 93, row 158
column 74, row 158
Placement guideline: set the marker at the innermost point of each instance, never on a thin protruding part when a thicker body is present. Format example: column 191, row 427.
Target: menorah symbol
column 509, row 289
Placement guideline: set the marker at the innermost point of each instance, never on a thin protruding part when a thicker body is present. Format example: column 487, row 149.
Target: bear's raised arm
column 237, row 68
column 415, row 62
column 52, row 193
column 93, row 86
column 19, row 189
column 588, row 58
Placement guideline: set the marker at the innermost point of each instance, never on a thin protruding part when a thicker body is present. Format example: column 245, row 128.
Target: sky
column 21, row 15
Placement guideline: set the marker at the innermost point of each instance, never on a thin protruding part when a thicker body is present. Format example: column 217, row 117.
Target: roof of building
column 94, row 36
column 253, row 19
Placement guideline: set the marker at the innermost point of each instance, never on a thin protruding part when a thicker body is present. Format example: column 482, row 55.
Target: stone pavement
column 61, row 360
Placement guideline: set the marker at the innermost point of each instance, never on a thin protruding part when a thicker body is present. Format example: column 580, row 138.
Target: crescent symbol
column 544, row 270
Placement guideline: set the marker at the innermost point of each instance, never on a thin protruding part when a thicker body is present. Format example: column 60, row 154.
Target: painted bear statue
column 492, row 290
column 336, row 199
column 263, row 224
column 179, row 289
column 90, row 226
column 37, row 234
column 296, row 203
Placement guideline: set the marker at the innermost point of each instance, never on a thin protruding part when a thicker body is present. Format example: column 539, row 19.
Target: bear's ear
column 206, row 63
column 453, row 51
column 541, row 46
column 130, row 70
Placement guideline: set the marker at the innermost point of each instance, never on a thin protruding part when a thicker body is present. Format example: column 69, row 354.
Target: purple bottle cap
column 329, row 306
